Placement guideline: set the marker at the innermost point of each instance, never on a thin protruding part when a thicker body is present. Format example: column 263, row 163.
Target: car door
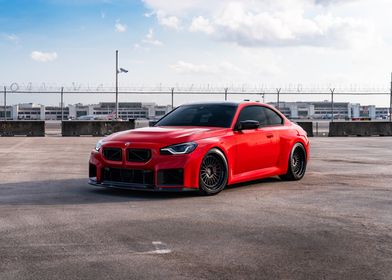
column 255, row 149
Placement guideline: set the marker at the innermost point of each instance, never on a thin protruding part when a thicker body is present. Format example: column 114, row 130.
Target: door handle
column 270, row 135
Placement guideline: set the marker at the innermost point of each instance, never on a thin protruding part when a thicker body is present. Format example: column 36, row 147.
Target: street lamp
column 118, row 71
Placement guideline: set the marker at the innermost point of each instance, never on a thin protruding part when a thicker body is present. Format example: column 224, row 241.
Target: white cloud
column 11, row 38
column 119, row 27
column 43, row 56
column 201, row 24
column 190, row 68
column 183, row 67
column 267, row 22
column 150, row 39
column 149, row 14
column 168, row 21
column 137, row 46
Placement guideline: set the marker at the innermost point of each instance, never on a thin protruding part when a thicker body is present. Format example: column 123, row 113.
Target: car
column 204, row 147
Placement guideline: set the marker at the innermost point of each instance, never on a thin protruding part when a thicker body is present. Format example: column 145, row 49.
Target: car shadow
column 74, row 191
column 253, row 183
column 78, row 191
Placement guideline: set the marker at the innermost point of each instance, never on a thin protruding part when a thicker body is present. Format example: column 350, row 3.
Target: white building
column 28, row 111
column 127, row 110
column 382, row 113
column 153, row 112
column 323, row 110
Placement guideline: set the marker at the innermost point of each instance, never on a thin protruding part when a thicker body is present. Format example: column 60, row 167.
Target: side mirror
column 248, row 124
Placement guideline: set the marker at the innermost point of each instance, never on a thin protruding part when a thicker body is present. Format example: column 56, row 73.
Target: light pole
column 118, row 71
column 390, row 103
column 5, row 103
column 172, row 98
column 62, row 104
column 332, row 104
column 278, row 98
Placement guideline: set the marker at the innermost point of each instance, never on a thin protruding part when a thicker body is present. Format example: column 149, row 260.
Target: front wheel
column 213, row 173
column 297, row 164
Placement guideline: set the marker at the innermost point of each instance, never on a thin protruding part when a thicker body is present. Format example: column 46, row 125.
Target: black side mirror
column 248, row 124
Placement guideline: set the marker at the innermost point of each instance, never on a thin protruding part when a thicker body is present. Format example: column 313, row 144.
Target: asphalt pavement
column 334, row 224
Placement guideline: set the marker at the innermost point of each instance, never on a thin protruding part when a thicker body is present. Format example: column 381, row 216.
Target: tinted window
column 254, row 113
column 273, row 117
column 200, row 115
column 263, row 115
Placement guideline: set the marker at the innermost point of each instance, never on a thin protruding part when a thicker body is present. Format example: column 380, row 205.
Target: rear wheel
column 297, row 164
column 213, row 173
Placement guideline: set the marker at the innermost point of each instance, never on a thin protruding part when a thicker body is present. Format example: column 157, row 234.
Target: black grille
column 138, row 155
column 114, row 154
column 171, row 177
column 131, row 176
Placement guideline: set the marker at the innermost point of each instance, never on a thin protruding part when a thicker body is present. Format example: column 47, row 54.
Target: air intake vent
column 131, row 176
column 171, row 177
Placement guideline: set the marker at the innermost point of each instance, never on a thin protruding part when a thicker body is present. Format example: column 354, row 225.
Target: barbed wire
column 267, row 89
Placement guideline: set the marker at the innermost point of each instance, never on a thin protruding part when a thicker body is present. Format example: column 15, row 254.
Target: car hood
column 166, row 135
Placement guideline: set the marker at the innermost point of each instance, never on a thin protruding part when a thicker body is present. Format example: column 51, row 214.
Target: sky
column 168, row 43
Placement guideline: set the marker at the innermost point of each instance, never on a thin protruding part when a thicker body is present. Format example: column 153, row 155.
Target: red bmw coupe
column 205, row 147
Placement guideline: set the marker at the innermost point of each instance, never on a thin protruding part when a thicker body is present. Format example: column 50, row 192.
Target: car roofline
column 233, row 103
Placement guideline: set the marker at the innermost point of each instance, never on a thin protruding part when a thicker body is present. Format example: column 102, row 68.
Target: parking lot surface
column 334, row 224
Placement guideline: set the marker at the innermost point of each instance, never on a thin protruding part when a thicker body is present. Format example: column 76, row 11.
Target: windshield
column 216, row 115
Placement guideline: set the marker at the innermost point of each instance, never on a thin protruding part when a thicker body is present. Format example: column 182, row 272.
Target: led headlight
column 179, row 149
column 98, row 145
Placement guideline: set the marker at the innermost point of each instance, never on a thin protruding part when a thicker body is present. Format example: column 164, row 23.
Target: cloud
column 150, row 39
column 335, row 2
column 190, row 68
column 11, row 38
column 183, row 67
column 286, row 28
column 267, row 22
column 168, row 21
column 43, row 56
column 119, row 27
column 201, row 24
column 149, row 14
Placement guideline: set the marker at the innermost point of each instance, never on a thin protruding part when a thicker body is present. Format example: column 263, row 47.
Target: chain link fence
column 178, row 94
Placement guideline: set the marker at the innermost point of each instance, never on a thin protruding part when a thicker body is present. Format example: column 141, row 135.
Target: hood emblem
column 127, row 144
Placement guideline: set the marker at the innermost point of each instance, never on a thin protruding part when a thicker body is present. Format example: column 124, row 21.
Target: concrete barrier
column 360, row 129
column 307, row 126
column 22, row 128
column 94, row 128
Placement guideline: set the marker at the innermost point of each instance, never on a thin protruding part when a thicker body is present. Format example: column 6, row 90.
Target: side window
column 254, row 113
column 272, row 117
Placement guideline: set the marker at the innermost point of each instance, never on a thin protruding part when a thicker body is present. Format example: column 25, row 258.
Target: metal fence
column 276, row 93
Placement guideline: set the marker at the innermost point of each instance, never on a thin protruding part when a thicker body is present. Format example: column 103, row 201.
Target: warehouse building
column 323, row 110
column 127, row 110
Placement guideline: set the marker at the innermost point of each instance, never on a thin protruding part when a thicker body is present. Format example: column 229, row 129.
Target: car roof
column 229, row 103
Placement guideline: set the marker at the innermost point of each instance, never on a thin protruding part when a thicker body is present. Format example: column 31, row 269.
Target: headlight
column 98, row 145
column 179, row 149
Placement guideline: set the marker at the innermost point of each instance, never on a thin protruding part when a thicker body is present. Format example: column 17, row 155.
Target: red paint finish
column 251, row 154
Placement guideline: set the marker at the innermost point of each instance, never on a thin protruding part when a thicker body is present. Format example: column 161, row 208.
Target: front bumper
column 159, row 173
column 136, row 187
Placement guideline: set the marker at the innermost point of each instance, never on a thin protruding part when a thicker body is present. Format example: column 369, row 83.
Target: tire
column 296, row 165
column 213, row 174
